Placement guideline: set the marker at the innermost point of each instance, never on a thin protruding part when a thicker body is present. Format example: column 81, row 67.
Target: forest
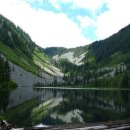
column 6, row 84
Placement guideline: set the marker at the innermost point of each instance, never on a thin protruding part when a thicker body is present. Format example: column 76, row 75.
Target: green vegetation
column 51, row 51
column 118, row 44
column 103, row 60
column 17, row 46
column 21, row 114
column 6, row 85
column 106, row 64
column 95, row 106
column 30, row 113
column 79, row 50
column 40, row 112
column 19, row 59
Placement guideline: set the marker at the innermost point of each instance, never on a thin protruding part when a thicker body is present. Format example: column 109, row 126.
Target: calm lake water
column 28, row 106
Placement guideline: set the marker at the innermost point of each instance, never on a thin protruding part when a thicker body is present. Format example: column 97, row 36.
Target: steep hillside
column 70, row 57
column 17, row 47
column 73, row 55
column 113, row 50
column 52, row 51
column 104, row 63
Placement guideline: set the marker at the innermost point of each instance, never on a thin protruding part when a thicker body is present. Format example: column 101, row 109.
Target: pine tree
column 7, row 71
column 125, row 81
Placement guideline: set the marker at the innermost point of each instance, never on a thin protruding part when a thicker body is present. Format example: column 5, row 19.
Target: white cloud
column 55, row 4
column 50, row 29
column 108, row 22
column 113, row 20
column 46, row 28
column 85, row 21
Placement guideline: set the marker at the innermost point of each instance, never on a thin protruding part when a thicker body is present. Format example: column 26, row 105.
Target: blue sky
column 67, row 23
column 73, row 13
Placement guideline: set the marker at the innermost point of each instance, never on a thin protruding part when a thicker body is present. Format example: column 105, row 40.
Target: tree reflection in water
column 90, row 105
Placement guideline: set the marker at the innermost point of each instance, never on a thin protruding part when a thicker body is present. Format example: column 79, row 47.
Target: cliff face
column 29, row 64
column 24, row 78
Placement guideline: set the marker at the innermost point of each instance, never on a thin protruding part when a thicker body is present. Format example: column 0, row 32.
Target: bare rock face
column 70, row 57
column 24, row 78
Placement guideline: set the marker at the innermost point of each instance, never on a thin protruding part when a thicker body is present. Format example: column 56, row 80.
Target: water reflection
column 53, row 106
column 4, row 99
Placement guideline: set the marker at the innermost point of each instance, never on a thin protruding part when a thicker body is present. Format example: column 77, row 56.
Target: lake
column 28, row 106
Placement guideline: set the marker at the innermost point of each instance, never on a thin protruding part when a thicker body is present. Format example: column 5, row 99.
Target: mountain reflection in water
column 59, row 106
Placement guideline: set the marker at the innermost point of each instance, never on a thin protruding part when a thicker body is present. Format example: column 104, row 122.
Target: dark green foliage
column 125, row 81
column 7, row 71
column 55, row 81
column 117, row 43
column 65, row 65
column 4, row 71
column 23, row 112
column 109, row 52
column 17, row 46
column 79, row 50
column 52, row 51
column 15, row 37
column 6, row 85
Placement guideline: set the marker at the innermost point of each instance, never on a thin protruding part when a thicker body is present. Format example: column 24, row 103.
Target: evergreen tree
column 125, row 81
column 7, row 71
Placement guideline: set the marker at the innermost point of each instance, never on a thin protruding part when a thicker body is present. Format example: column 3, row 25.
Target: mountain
column 104, row 63
column 73, row 55
column 28, row 59
column 115, row 49
column 51, row 51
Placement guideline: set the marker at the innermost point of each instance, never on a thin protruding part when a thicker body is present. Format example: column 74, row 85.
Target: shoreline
column 80, row 88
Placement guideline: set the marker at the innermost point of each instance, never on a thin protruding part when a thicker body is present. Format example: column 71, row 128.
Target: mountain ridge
column 18, row 48
column 104, row 64
column 84, row 65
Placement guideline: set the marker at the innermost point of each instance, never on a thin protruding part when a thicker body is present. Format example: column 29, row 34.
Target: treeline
column 117, row 43
column 52, row 51
column 90, row 75
column 5, row 72
column 6, row 84
column 14, row 37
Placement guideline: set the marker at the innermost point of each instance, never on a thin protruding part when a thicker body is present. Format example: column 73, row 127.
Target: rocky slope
column 24, row 78
column 103, row 63
column 77, row 60
column 29, row 64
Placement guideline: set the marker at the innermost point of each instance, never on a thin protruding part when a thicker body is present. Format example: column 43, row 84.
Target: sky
column 67, row 23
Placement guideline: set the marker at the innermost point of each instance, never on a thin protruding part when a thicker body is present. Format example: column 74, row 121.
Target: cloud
column 114, row 19
column 67, row 28
column 55, row 3
column 85, row 21
column 45, row 27
column 113, row 15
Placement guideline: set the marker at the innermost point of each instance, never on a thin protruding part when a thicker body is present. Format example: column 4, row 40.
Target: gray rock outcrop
column 24, row 78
